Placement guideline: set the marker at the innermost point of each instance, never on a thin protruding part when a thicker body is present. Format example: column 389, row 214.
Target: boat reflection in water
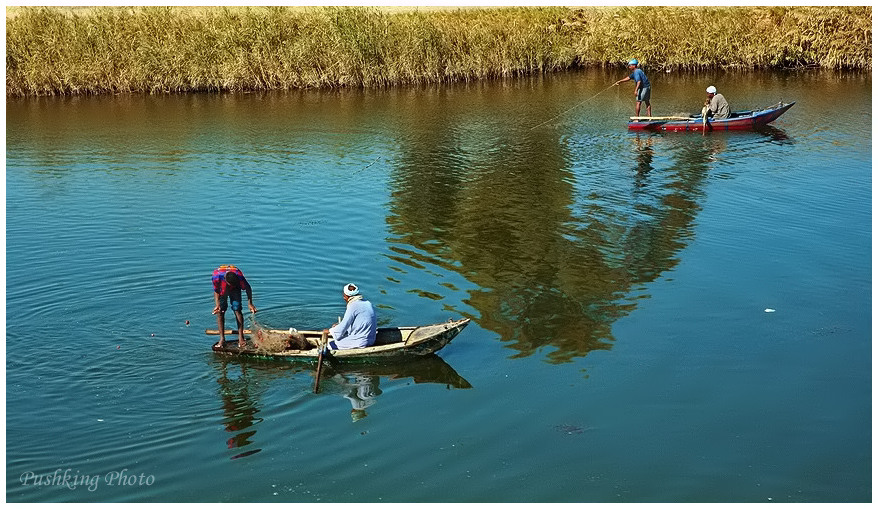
column 775, row 134
column 243, row 383
column 359, row 384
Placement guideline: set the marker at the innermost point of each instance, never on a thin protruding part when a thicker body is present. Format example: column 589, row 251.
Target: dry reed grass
column 176, row 49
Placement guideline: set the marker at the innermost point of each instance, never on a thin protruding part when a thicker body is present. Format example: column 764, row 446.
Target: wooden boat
column 390, row 342
column 747, row 120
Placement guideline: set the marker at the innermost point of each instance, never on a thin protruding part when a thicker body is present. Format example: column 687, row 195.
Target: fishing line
column 620, row 102
column 367, row 166
column 575, row 106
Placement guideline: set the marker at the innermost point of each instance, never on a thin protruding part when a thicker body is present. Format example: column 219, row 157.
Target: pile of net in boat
column 273, row 341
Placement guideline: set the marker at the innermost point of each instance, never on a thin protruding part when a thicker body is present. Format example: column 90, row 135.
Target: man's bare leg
column 239, row 317
column 221, row 325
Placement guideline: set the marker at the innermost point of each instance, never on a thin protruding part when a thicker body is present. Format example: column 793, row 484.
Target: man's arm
column 712, row 106
column 339, row 330
column 216, row 301
column 250, row 299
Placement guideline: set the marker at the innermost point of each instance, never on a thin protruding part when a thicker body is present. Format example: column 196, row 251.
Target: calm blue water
column 618, row 283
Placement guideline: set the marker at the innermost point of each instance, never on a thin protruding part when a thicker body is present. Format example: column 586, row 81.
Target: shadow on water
column 243, row 383
column 556, row 253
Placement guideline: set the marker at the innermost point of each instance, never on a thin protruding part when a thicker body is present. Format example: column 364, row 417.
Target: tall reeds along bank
column 182, row 49
column 740, row 37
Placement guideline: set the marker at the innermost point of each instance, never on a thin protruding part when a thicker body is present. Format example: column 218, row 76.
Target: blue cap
column 633, row 61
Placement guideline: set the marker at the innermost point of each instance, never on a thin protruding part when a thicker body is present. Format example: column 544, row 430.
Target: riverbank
column 51, row 51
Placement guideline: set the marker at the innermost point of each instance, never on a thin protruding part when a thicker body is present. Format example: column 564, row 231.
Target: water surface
column 618, row 284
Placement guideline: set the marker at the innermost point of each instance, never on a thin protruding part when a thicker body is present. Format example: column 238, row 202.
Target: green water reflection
column 552, row 269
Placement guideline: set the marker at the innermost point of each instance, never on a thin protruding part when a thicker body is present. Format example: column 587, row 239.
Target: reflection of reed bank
column 558, row 252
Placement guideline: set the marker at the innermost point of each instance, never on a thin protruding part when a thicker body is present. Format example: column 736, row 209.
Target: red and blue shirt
column 219, row 278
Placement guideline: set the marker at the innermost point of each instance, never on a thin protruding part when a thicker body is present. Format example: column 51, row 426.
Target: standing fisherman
column 228, row 281
column 641, row 87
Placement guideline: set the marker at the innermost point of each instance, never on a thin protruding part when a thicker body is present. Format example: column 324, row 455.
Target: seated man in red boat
column 717, row 106
column 359, row 326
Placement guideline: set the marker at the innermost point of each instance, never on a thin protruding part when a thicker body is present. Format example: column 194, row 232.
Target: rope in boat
column 574, row 107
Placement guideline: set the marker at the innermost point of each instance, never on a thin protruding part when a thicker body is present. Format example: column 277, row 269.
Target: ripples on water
column 440, row 202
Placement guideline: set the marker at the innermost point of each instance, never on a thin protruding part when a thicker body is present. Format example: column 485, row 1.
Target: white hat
column 711, row 89
column 351, row 289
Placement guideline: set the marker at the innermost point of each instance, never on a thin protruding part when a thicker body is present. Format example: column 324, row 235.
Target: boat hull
column 391, row 343
column 740, row 121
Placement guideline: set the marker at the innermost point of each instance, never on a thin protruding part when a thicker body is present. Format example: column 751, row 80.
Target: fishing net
column 274, row 341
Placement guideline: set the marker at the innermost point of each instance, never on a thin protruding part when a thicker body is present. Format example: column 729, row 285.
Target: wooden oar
column 215, row 332
column 704, row 120
column 320, row 360
column 648, row 119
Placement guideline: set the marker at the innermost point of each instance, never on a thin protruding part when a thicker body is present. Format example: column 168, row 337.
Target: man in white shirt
column 359, row 325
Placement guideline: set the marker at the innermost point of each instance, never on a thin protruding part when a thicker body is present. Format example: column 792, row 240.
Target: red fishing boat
column 738, row 121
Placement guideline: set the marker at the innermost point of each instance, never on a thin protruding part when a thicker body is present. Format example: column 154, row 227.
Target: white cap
column 711, row 89
column 351, row 289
